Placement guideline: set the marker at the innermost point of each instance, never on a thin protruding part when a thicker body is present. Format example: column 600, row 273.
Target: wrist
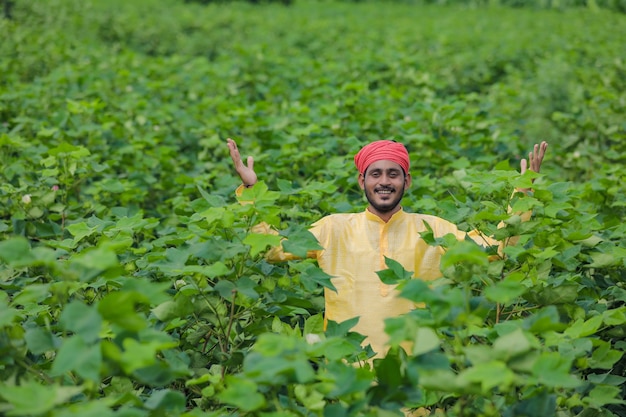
column 248, row 185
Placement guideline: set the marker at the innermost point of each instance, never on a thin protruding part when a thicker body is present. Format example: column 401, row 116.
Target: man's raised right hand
column 246, row 173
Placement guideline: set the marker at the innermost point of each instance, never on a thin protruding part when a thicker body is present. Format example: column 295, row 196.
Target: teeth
column 384, row 192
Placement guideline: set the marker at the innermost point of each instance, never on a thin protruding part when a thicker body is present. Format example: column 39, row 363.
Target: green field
column 132, row 283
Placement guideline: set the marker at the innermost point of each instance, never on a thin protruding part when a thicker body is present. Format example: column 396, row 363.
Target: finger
column 532, row 158
column 523, row 166
column 251, row 163
column 539, row 152
column 542, row 149
column 234, row 152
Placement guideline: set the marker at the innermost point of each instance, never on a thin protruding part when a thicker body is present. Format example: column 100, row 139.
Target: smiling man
column 383, row 180
column 355, row 244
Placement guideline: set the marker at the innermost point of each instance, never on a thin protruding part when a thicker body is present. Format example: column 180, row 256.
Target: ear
column 407, row 181
column 362, row 181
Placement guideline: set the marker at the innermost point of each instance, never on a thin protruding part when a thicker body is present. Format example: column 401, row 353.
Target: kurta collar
column 371, row 216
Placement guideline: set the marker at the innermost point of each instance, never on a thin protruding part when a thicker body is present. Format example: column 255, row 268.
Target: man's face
column 384, row 183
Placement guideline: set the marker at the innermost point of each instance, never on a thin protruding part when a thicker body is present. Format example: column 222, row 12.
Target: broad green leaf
column 313, row 274
column 333, row 348
column 83, row 320
column 540, row 404
column 614, row 317
column 419, row 291
column 138, row 354
column 489, row 375
column 260, row 242
column 31, row 398
column 464, row 252
column 340, row 329
column 601, row 395
column 166, row 400
column 16, row 252
column 8, row 315
column 34, row 293
column 39, row 340
column 563, row 294
column 241, row 393
column 120, row 308
column 512, row 344
column 77, row 356
column 214, row 270
column 505, row 291
column 226, row 289
column 584, row 328
column 81, row 230
column 553, row 370
column 94, row 408
column 602, row 260
column 100, row 258
column 259, row 195
column 300, row 242
column 213, row 200
column 426, row 340
column 314, row 324
column 603, row 357
column 394, row 274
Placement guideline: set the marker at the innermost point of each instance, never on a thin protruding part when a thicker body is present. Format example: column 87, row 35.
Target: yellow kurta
column 355, row 246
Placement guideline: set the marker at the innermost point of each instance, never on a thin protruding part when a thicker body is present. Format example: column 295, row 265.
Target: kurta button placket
column 384, row 251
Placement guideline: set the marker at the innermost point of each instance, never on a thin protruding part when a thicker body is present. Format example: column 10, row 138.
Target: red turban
column 379, row 150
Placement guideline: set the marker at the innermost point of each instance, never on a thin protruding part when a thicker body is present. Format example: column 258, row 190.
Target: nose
column 385, row 179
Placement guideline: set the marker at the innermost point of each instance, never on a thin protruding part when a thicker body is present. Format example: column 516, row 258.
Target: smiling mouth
column 384, row 192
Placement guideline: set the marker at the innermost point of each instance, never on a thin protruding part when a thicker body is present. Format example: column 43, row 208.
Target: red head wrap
column 379, row 150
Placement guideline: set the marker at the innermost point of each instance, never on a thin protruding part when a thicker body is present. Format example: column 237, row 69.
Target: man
column 355, row 244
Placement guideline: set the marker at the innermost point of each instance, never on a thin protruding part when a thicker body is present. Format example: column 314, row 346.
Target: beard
column 388, row 205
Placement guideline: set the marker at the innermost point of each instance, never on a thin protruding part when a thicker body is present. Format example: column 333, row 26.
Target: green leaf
column 340, row 329
column 76, row 355
column 489, row 375
column 16, row 252
column 81, row 230
column 120, row 308
column 601, row 395
column 426, row 340
column 300, row 242
column 39, row 340
column 565, row 293
column 505, row 291
column 314, row 324
column 226, row 289
column 83, row 320
column 333, row 348
column 314, row 274
column 259, row 242
column 584, row 328
column 166, row 400
column 512, row 344
column 603, row 357
column 394, row 274
column 241, row 393
column 553, row 370
column 100, row 258
column 214, row 270
column 259, row 195
column 138, row 355
column 464, row 252
column 213, row 200
column 33, row 399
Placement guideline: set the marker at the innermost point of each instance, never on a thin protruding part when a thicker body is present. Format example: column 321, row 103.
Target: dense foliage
column 133, row 283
